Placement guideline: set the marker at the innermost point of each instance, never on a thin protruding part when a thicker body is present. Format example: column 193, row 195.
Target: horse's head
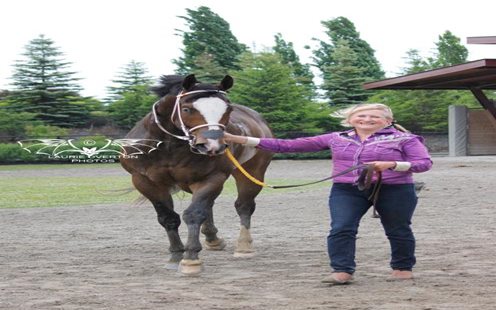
column 202, row 112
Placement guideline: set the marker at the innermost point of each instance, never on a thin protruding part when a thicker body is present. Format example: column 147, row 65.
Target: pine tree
column 432, row 105
column 302, row 73
column 343, row 29
column 132, row 75
column 132, row 106
column 450, row 51
column 131, row 98
column 415, row 62
column 208, row 34
column 343, row 80
column 266, row 85
column 207, row 71
column 44, row 86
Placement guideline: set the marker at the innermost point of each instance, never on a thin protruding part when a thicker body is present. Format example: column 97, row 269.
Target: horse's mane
column 168, row 85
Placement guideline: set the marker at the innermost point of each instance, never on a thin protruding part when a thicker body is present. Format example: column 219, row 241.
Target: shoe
column 338, row 278
column 402, row 275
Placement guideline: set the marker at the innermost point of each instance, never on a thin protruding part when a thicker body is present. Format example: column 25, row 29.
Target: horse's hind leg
column 170, row 220
column 245, row 203
column 212, row 241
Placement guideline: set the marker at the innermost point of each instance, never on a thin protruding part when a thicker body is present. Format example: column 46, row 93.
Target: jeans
column 395, row 205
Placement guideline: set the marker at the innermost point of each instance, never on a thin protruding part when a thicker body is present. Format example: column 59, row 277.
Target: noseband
column 188, row 133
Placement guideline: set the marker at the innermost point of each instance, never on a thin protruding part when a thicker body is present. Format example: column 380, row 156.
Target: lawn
column 27, row 186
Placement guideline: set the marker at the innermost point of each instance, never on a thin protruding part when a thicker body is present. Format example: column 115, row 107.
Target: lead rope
column 364, row 181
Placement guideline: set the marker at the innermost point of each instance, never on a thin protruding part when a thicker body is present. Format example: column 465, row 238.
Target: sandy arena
column 113, row 256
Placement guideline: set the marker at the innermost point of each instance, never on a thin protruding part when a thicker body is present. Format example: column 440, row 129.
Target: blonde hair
column 346, row 113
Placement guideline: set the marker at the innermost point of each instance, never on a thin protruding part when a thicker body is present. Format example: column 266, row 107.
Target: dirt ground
column 113, row 256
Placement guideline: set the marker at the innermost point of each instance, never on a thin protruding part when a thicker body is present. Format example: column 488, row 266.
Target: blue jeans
column 395, row 205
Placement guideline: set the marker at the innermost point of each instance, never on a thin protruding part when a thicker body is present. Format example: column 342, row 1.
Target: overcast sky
column 101, row 36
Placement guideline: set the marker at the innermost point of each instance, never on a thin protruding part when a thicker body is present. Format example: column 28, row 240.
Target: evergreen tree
column 208, row 34
column 343, row 80
column 415, row 62
column 132, row 106
column 266, row 85
column 131, row 97
column 431, row 105
column 301, row 73
column 450, row 51
column 132, row 75
column 45, row 87
column 342, row 28
column 207, row 70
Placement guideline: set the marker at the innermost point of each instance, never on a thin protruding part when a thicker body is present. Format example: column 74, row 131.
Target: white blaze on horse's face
column 212, row 109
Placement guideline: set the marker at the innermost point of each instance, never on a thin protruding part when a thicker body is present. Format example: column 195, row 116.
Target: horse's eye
column 186, row 110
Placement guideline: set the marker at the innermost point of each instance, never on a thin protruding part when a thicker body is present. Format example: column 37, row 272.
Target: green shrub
column 45, row 131
column 13, row 153
column 35, row 151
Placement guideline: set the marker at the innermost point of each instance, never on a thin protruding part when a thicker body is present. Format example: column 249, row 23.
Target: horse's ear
column 226, row 83
column 189, row 82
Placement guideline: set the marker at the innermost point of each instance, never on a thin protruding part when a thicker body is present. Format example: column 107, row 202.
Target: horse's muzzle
column 205, row 149
column 210, row 142
column 214, row 134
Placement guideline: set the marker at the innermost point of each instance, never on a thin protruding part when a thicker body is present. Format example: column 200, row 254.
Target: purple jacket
column 388, row 144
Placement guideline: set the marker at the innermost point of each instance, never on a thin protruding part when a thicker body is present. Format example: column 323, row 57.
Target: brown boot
column 338, row 278
column 402, row 275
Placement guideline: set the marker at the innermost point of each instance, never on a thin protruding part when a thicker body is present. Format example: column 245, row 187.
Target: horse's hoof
column 190, row 267
column 172, row 266
column 216, row 245
column 244, row 254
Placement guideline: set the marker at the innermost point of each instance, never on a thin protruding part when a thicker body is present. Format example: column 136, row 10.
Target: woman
column 391, row 150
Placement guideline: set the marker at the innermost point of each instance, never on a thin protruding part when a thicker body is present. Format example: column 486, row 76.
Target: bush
column 45, row 131
column 12, row 125
column 35, row 151
column 13, row 153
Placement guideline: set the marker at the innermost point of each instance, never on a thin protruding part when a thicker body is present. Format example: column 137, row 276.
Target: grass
column 26, row 191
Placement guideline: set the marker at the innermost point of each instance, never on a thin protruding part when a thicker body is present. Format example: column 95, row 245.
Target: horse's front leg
column 245, row 203
column 204, row 195
column 170, row 220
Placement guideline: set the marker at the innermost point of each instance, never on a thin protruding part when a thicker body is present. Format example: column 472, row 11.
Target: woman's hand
column 382, row 165
column 234, row 139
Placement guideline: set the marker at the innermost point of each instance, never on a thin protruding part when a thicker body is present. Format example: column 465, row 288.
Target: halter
column 188, row 133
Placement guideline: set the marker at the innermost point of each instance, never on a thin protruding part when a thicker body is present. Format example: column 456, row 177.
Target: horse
column 189, row 120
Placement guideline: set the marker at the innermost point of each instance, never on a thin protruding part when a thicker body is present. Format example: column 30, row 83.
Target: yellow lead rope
column 364, row 181
column 243, row 171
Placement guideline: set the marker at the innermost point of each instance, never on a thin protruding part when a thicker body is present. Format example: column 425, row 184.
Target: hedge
column 13, row 153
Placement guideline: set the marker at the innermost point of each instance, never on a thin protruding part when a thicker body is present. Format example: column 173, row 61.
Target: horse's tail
column 142, row 199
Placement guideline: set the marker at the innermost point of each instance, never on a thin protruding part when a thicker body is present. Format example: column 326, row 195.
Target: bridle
column 188, row 132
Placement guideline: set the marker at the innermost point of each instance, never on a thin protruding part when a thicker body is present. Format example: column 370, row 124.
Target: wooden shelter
column 475, row 76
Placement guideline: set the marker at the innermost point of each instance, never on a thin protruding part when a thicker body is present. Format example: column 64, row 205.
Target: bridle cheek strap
column 157, row 122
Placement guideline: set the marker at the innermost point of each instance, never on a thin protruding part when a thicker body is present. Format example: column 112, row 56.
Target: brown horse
column 189, row 120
